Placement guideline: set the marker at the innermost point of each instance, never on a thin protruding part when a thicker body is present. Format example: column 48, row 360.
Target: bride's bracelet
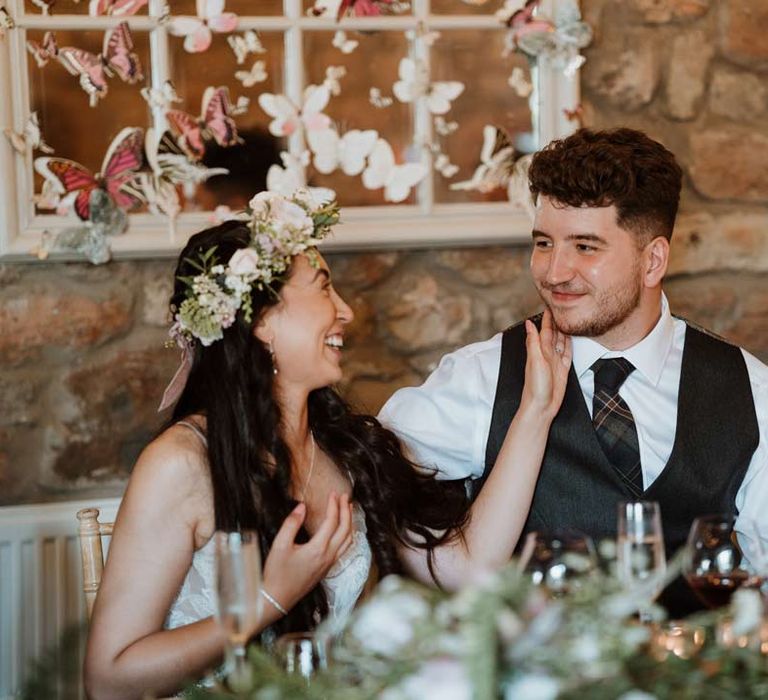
column 276, row 605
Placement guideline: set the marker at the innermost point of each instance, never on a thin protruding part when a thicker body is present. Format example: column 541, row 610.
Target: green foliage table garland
column 503, row 638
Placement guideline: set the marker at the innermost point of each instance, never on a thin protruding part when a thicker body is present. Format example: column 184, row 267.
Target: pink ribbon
column 179, row 381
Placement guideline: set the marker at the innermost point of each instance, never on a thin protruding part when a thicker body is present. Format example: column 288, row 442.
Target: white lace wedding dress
column 343, row 584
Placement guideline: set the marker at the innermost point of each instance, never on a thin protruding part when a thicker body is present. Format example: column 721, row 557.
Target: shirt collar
column 648, row 356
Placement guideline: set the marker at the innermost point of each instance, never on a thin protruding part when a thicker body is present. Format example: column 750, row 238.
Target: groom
column 655, row 409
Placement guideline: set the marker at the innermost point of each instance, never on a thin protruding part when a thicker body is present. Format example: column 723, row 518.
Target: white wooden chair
column 90, row 531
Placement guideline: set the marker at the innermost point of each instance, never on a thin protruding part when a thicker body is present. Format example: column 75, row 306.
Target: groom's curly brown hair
column 620, row 167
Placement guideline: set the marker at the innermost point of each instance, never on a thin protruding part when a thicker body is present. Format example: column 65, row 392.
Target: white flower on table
column 387, row 623
column 532, row 686
column 437, row 679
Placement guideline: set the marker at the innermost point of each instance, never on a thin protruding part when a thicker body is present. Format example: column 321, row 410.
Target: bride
column 260, row 440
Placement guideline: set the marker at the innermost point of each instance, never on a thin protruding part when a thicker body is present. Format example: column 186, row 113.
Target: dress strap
column 195, row 430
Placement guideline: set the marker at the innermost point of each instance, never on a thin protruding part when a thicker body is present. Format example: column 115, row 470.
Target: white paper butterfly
column 289, row 177
column 519, row 83
column 348, row 151
column 444, row 128
column 383, row 171
column 342, row 43
column 414, row 84
column 427, row 37
column 6, row 22
column 378, row 100
column 444, row 166
column 496, row 162
column 197, row 30
column 333, row 74
column 287, row 118
column 244, row 45
column 30, row 137
column 161, row 98
column 257, row 74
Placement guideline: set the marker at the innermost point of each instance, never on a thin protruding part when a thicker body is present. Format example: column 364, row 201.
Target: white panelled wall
column 40, row 582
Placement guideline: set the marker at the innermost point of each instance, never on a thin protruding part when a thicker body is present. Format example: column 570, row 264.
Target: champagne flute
column 559, row 560
column 641, row 560
column 238, row 582
column 713, row 564
column 302, row 653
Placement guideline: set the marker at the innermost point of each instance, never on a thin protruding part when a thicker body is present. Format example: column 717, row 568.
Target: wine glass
column 714, row 564
column 640, row 557
column 238, row 582
column 302, row 653
column 558, row 559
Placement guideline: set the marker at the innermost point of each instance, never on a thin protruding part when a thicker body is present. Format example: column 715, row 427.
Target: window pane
column 75, row 130
column 465, row 7
column 475, row 58
column 373, row 63
column 402, row 8
column 239, row 7
column 249, row 162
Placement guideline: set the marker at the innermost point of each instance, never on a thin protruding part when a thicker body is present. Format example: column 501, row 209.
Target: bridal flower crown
column 281, row 227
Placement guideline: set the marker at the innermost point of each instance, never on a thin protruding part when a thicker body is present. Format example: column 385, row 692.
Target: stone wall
column 82, row 362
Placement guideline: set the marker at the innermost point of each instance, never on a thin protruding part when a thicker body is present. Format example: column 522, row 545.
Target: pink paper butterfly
column 116, row 8
column 117, row 58
column 523, row 21
column 45, row 51
column 121, row 163
column 215, row 122
column 197, row 30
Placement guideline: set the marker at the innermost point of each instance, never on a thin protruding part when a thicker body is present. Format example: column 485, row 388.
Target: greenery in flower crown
column 281, row 227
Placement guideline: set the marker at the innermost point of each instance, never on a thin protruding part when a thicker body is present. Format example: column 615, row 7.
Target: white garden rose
column 291, row 217
column 261, row 202
column 245, row 261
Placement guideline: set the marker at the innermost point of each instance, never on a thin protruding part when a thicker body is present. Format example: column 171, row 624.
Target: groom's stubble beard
column 612, row 307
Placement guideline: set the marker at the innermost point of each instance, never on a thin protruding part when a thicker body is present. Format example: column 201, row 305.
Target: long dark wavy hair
column 231, row 384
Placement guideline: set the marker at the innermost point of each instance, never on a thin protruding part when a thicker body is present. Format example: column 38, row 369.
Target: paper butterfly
column 519, row 83
column 30, row 137
column 289, row 177
column 197, row 30
column 118, row 58
column 348, row 151
column 287, row 118
column 244, row 45
column 444, row 128
column 378, row 100
column 160, row 98
column 116, row 8
column 357, row 8
column 123, row 159
column 497, row 159
column 44, row 5
column 343, row 44
column 215, row 122
column 6, row 22
column 444, row 166
column 421, row 34
column 257, row 74
column 333, row 74
column 45, row 51
column 414, row 84
column 383, row 171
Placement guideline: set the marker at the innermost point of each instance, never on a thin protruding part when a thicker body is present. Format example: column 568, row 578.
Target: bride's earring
column 272, row 355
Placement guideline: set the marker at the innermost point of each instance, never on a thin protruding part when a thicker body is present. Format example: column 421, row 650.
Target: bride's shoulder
column 175, row 461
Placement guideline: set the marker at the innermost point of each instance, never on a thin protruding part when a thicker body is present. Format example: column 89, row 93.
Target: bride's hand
column 546, row 369
column 291, row 569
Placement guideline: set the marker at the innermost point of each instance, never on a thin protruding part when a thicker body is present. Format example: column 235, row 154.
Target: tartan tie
column 613, row 421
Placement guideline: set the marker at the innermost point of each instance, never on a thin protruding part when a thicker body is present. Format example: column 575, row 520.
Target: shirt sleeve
column 752, row 497
column 444, row 423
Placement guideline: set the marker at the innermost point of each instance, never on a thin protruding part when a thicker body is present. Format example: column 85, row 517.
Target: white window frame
column 423, row 224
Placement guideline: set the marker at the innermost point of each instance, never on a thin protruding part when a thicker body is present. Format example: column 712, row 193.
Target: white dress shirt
column 444, row 423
